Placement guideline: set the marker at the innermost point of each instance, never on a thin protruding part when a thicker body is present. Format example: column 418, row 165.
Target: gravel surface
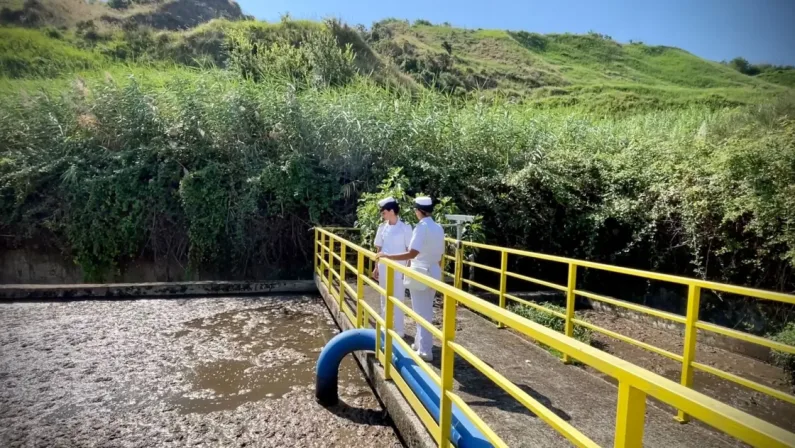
column 215, row 372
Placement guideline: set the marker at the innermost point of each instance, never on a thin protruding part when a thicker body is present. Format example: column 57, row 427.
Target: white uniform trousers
column 399, row 293
column 422, row 304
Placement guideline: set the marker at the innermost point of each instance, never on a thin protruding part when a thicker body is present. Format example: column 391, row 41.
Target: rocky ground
column 197, row 372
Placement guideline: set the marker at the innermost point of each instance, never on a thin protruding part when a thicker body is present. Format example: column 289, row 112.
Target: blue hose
column 463, row 434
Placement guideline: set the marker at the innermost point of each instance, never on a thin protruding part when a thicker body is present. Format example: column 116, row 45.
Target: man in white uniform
column 393, row 237
column 425, row 252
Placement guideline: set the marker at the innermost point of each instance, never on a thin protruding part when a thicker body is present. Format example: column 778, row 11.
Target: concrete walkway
column 585, row 400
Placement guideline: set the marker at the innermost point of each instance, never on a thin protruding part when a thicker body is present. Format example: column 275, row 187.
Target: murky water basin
column 278, row 347
column 197, row 372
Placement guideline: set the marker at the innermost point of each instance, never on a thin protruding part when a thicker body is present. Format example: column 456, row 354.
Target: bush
column 119, row 4
column 694, row 191
column 782, row 359
column 548, row 320
column 398, row 186
column 316, row 60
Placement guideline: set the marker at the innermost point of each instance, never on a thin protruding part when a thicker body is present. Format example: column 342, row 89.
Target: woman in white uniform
column 393, row 237
column 425, row 252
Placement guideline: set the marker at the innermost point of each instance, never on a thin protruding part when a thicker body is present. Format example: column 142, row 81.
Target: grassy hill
column 160, row 14
column 589, row 71
column 563, row 68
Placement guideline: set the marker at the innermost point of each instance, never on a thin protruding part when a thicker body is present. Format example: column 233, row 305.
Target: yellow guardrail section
column 690, row 321
column 634, row 383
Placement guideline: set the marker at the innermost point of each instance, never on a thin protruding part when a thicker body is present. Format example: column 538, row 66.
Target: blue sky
column 760, row 31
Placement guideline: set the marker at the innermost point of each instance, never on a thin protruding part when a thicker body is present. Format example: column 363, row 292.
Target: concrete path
column 585, row 400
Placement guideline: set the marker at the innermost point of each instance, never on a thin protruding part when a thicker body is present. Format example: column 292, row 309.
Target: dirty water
column 280, row 347
column 198, row 372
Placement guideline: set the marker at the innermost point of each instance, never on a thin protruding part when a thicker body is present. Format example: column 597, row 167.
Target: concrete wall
column 30, row 266
column 149, row 290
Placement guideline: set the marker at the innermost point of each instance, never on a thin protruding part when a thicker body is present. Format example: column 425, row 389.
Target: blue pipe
column 463, row 434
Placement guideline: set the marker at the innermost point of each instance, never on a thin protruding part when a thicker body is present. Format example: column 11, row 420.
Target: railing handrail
column 730, row 420
column 705, row 284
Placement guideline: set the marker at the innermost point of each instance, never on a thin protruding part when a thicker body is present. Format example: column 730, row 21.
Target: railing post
column 570, row 299
column 448, row 358
column 503, row 280
column 359, row 289
column 390, row 308
column 322, row 268
column 330, row 278
column 630, row 416
column 691, row 336
column 315, row 251
column 459, row 264
column 343, row 254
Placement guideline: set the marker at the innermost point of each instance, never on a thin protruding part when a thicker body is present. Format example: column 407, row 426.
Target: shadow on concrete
column 361, row 416
column 473, row 382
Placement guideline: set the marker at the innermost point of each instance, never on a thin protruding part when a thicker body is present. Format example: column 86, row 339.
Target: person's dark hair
column 426, row 210
column 394, row 206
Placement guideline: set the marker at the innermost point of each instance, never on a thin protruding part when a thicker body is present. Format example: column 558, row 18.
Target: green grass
column 551, row 321
column 781, row 77
column 30, row 53
column 626, row 76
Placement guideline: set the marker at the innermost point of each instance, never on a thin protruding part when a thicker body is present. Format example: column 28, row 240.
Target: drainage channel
column 177, row 372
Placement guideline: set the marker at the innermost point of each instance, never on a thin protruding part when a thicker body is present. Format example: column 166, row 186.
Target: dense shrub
column 786, row 360
column 226, row 162
column 317, row 60
column 548, row 320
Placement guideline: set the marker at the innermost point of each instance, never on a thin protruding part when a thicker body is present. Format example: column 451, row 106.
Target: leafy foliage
column 317, row 61
column 786, row 360
column 397, row 185
column 548, row 320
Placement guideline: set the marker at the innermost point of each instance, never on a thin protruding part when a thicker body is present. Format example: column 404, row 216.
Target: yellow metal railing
column 690, row 321
column 634, row 383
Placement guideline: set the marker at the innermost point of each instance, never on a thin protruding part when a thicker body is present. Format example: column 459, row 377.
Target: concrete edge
column 140, row 290
column 411, row 429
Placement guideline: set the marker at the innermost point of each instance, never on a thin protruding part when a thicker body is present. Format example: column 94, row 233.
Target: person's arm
column 417, row 239
column 408, row 233
column 410, row 255
column 378, row 243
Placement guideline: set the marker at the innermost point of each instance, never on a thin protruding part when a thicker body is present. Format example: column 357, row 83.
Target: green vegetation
column 786, row 360
column 218, row 146
column 159, row 14
column 548, row 320
column 29, row 53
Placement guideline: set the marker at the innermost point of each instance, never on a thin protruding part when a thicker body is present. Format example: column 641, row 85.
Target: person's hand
column 374, row 274
column 381, row 255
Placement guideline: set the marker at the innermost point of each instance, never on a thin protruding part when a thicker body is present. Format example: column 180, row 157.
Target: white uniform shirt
column 428, row 240
column 393, row 239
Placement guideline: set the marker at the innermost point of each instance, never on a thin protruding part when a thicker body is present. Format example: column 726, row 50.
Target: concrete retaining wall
column 411, row 429
column 145, row 290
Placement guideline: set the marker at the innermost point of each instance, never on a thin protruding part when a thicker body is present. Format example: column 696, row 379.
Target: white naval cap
column 423, row 201
column 385, row 201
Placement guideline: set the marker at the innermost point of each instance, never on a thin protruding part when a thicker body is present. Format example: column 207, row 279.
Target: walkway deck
column 587, row 401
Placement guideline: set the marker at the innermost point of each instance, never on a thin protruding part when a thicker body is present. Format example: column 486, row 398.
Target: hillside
column 159, row 14
column 562, row 68
column 589, row 71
